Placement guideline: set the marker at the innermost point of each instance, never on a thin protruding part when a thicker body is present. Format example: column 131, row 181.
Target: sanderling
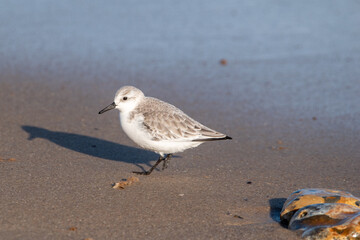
column 158, row 126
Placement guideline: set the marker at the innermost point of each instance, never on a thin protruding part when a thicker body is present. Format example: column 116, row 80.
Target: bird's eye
column 124, row 98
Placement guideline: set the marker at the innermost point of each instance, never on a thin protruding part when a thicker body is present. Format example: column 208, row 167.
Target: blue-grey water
column 281, row 55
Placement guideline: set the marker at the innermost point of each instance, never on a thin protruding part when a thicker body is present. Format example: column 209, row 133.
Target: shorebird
column 158, row 126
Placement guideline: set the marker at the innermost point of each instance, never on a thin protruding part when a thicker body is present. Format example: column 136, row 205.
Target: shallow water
column 293, row 59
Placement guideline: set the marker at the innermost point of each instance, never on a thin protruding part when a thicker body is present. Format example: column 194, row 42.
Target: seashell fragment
column 323, row 214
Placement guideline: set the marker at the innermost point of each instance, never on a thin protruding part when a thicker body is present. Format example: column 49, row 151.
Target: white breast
column 135, row 130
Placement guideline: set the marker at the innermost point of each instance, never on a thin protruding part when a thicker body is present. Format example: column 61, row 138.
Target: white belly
column 136, row 132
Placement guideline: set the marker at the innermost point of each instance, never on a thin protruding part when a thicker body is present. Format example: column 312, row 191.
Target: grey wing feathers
column 166, row 122
column 178, row 126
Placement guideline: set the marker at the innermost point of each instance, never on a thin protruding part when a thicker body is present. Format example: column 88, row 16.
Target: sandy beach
column 288, row 95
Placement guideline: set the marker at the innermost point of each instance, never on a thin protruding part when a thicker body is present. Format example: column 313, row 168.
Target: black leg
column 152, row 168
column 166, row 161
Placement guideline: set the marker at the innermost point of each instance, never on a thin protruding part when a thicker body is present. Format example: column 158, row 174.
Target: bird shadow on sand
column 94, row 146
column 276, row 205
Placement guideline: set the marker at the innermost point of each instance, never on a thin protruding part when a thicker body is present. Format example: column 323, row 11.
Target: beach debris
column 305, row 197
column 279, row 147
column 223, row 61
column 125, row 183
column 7, row 159
column 234, row 215
column 323, row 214
column 72, row 228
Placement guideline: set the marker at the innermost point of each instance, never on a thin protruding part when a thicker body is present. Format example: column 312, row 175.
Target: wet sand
column 293, row 113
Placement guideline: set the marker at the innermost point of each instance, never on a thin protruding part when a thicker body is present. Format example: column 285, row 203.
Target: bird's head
column 126, row 99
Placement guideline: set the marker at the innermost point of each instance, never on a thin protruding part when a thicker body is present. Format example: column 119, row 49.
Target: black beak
column 111, row 106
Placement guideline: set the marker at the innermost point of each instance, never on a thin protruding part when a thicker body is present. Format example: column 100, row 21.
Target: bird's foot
column 166, row 161
column 142, row 173
column 165, row 164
